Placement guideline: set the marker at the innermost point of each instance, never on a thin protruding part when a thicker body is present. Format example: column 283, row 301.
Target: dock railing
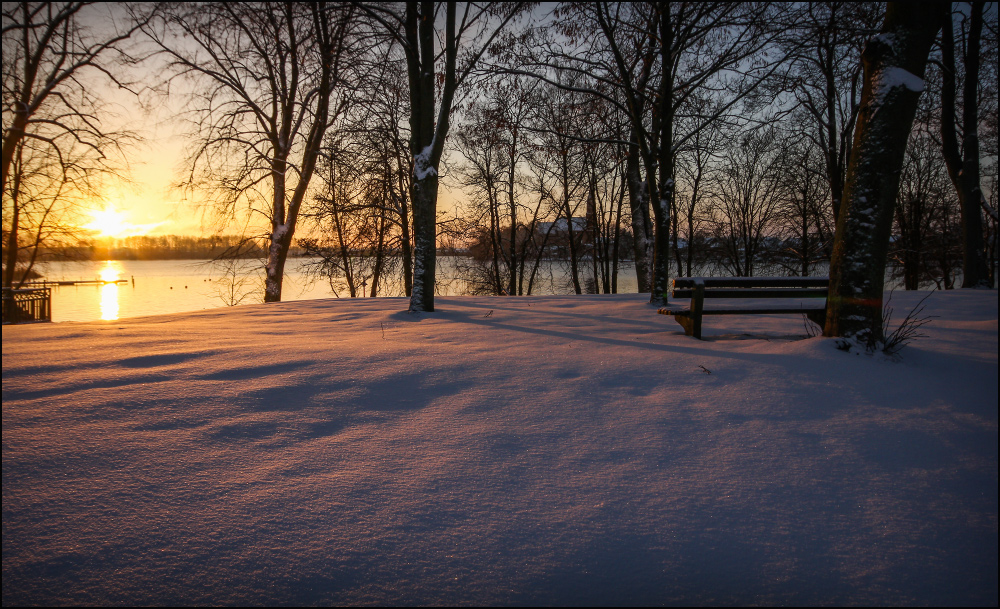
column 27, row 305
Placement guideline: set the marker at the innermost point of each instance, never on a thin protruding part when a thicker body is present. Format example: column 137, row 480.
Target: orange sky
column 147, row 204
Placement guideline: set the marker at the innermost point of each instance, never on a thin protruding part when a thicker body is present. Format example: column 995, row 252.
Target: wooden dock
column 48, row 284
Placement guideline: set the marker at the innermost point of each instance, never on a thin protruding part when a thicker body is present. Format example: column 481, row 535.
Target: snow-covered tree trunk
column 427, row 135
column 425, row 191
column 642, row 228
column 426, row 139
column 660, row 277
column 277, row 250
column 277, row 253
column 663, row 196
column 894, row 63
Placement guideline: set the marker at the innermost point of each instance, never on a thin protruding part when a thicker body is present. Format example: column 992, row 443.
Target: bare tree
column 825, row 42
column 649, row 59
column 387, row 158
column 481, row 175
column 354, row 254
column 927, row 244
column 894, row 63
column 963, row 162
column 53, row 133
column 748, row 195
column 414, row 27
column 695, row 161
column 268, row 80
column 496, row 142
column 605, row 162
column 362, row 216
column 43, row 205
column 560, row 167
column 807, row 220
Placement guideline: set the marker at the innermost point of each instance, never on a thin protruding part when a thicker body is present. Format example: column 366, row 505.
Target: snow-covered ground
column 549, row 450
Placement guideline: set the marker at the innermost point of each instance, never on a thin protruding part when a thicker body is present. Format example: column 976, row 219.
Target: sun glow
column 109, row 291
column 109, row 222
column 110, row 272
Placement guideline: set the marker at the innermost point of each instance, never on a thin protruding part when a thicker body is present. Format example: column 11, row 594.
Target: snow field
column 540, row 450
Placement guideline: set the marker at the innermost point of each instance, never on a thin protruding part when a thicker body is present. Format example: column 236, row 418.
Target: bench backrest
column 753, row 287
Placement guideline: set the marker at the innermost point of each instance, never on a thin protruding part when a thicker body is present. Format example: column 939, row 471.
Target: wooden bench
column 700, row 288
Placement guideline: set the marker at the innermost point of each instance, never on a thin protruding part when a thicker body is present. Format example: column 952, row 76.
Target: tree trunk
column 277, row 252
column 343, row 249
column 427, row 137
column 574, row 270
column 662, row 200
column 805, row 233
column 894, row 63
column 963, row 167
column 660, row 284
column 638, row 199
column 379, row 253
column 13, row 243
column 405, row 245
column 617, row 240
column 425, row 190
column 833, row 167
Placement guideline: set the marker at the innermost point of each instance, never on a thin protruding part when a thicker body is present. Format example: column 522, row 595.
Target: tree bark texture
column 12, row 236
column 642, row 228
column 662, row 197
column 894, row 63
column 424, row 242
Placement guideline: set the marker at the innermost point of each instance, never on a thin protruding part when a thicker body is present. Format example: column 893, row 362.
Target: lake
column 154, row 287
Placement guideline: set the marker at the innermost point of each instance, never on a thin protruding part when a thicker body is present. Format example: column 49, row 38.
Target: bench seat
column 788, row 289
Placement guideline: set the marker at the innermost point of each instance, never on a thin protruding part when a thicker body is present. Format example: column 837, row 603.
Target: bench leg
column 818, row 316
column 686, row 322
column 697, row 306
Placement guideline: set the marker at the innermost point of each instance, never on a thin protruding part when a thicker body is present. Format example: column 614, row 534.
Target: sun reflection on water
column 109, row 291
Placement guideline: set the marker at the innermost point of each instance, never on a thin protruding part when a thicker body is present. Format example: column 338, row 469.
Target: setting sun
column 109, row 222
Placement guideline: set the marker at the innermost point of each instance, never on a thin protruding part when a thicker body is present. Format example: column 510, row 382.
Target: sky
column 146, row 200
column 147, row 203
column 141, row 201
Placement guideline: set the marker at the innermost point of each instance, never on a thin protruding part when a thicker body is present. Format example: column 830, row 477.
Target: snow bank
column 549, row 450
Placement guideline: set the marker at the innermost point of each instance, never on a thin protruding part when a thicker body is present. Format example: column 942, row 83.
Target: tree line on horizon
column 733, row 138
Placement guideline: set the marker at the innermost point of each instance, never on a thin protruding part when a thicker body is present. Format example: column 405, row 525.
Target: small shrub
column 874, row 339
column 909, row 328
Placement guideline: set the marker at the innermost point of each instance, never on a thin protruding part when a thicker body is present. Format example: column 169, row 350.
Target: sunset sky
column 144, row 201
column 148, row 204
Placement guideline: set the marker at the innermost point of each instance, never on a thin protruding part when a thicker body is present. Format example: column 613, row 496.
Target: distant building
column 559, row 226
